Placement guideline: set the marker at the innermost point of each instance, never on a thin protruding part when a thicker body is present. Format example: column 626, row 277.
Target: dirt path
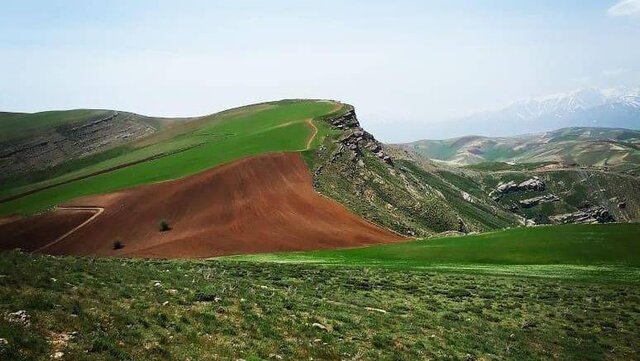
column 34, row 232
column 97, row 210
column 313, row 135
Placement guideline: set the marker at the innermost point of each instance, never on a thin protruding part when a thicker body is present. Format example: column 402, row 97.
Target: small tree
column 118, row 245
column 164, row 226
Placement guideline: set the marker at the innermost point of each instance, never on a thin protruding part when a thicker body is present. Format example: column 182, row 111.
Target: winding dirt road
column 35, row 232
column 96, row 210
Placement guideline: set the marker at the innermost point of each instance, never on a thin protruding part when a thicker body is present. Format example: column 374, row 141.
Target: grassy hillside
column 602, row 147
column 182, row 150
column 401, row 193
column 588, row 251
column 404, row 197
column 388, row 303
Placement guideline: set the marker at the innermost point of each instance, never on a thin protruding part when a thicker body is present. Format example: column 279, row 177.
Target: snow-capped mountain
column 562, row 105
column 590, row 107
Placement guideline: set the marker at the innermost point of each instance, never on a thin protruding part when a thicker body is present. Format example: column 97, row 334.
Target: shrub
column 118, row 245
column 205, row 296
column 164, row 226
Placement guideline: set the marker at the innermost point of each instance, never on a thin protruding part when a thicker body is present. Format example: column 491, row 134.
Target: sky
column 403, row 64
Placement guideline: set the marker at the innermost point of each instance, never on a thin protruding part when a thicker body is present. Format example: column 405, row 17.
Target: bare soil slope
column 37, row 231
column 260, row 204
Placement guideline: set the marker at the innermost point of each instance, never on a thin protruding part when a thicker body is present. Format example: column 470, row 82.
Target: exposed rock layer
column 69, row 141
column 531, row 202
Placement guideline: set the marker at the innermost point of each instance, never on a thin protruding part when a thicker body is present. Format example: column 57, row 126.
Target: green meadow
column 599, row 251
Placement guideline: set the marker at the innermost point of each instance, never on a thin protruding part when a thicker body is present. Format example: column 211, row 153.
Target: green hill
column 20, row 125
column 31, row 144
column 179, row 150
column 346, row 163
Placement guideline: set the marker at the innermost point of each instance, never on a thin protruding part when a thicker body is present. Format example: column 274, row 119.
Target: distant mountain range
column 590, row 107
column 615, row 148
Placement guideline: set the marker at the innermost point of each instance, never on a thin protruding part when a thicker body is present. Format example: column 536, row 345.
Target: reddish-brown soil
column 34, row 232
column 260, row 204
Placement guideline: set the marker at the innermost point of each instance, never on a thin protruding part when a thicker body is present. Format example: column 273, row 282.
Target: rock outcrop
column 467, row 197
column 596, row 214
column 535, row 184
column 357, row 139
column 531, row 202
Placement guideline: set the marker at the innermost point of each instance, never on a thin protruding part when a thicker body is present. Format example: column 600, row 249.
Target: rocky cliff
column 356, row 139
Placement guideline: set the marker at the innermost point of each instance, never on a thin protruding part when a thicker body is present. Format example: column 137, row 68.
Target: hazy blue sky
column 401, row 63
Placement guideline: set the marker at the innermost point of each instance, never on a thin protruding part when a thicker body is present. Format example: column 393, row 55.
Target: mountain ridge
column 616, row 148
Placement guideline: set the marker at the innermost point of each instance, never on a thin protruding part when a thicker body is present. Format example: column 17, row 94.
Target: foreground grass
column 117, row 309
column 191, row 147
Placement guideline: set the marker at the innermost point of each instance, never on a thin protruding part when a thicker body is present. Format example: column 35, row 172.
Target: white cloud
column 625, row 8
column 613, row 72
column 581, row 79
